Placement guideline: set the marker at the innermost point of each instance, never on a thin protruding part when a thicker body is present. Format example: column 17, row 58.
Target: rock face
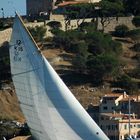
column 5, row 35
column 9, row 107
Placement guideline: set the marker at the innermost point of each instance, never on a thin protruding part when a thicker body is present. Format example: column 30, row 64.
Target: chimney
column 124, row 94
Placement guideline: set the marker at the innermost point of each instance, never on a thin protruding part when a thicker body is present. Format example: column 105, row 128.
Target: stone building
column 110, row 102
column 114, row 115
column 116, row 125
column 38, row 7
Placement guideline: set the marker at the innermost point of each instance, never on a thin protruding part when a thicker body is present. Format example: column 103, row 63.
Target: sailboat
column 51, row 110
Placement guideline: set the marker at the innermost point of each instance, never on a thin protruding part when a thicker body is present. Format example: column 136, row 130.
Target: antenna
column 129, row 106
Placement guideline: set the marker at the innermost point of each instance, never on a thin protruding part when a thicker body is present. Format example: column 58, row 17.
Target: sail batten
column 47, row 103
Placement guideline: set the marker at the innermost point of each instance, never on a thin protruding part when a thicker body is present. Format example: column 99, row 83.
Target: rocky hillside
column 9, row 108
column 78, row 84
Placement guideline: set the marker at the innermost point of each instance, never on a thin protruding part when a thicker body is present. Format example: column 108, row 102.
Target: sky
column 10, row 6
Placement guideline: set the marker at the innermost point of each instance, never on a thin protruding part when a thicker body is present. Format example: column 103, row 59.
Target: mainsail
column 51, row 110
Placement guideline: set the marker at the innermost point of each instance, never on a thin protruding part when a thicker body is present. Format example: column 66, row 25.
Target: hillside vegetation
column 89, row 61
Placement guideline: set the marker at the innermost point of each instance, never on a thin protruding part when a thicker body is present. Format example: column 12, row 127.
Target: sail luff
column 21, row 82
column 28, row 32
column 43, row 134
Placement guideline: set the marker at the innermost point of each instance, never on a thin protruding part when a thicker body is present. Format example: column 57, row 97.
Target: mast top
column 20, row 19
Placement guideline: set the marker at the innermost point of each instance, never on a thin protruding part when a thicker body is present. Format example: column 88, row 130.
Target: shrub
column 136, row 21
column 38, row 32
column 121, row 30
column 134, row 34
column 136, row 47
column 54, row 24
column 128, row 84
column 136, row 73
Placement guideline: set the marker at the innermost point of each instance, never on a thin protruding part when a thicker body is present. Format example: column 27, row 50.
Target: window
column 101, row 127
column 108, row 127
column 105, row 107
column 104, row 101
column 102, row 118
column 125, row 126
column 116, row 126
column 138, row 125
column 113, row 127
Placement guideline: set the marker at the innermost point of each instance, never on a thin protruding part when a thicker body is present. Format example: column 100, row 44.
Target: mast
column 129, row 109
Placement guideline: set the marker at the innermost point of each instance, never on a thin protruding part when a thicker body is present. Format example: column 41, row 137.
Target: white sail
column 51, row 110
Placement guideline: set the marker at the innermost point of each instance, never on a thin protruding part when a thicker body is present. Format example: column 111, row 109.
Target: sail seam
column 24, row 72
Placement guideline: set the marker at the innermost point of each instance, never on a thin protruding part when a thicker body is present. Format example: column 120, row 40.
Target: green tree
column 66, row 40
column 88, row 27
column 126, row 83
column 100, row 43
column 136, row 72
column 132, row 6
column 102, row 66
column 121, row 30
column 136, row 47
column 5, row 73
column 54, row 25
column 135, row 35
column 38, row 32
column 78, row 12
column 96, row 54
column 79, row 63
column 109, row 9
column 82, row 10
column 80, row 59
column 136, row 21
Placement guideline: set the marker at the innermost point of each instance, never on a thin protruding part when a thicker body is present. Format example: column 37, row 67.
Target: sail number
column 18, row 48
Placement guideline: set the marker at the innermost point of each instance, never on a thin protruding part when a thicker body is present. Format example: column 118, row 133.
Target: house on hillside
column 116, row 125
column 119, row 102
column 93, row 111
column 110, row 102
column 112, row 115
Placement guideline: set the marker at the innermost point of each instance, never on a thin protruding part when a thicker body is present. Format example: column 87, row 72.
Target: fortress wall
column 5, row 35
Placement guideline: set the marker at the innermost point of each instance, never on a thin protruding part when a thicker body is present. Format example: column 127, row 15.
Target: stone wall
column 115, row 22
column 5, row 35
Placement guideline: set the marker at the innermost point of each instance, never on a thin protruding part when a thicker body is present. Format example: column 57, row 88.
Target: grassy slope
column 9, row 108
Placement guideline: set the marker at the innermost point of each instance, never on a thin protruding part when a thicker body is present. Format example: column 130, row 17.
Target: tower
column 38, row 7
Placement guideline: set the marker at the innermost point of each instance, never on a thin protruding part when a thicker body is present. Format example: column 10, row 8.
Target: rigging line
column 24, row 72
